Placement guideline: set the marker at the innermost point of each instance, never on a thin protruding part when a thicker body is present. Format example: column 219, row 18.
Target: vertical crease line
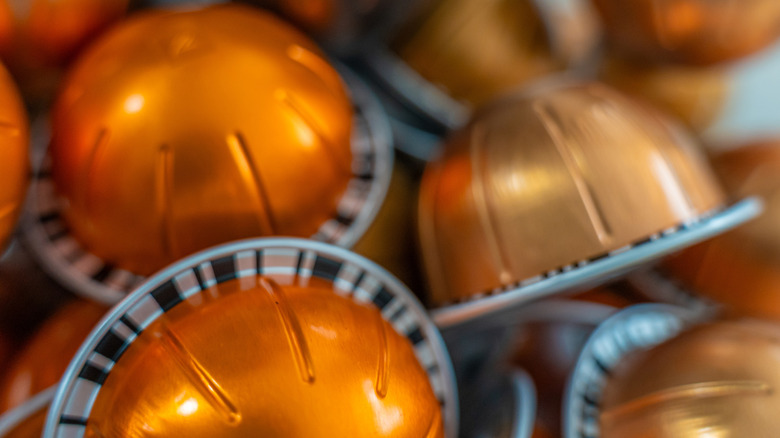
column 89, row 177
column 383, row 364
column 438, row 277
column 164, row 195
column 484, row 209
column 332, row 151
column 243, row 159
column 595, row 214
column 197, row 374
column 292, row 328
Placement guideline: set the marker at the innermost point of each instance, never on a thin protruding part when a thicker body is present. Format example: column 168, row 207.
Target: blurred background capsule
column 739, row 269
column 689, row 31
column 38, row 38
column 546, row 179
column 14, row 161
column 716, row 379
column 154, row 162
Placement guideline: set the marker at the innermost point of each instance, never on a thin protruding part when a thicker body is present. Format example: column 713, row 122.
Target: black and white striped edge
column 596, row 270
column 92, row 277
column 283, row 259
column 635, row 328
column 15, row 417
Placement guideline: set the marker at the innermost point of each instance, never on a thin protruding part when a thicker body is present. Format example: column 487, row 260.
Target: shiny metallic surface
column 44, row 358
column 37, row 37
column 719, row 379
column 695, row 95
column 14, row 161
column 271, row 360
column 474, row 49
column 740, row 268
column 547, row 179
column 154, row 162
column 692, row 31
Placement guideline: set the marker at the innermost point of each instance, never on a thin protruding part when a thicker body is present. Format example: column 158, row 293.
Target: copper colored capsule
column 691, row 31
column 41, row 363
column 38, row 37
column 695, row 95
column 717, row 379
column 27, row 421
column 550, row 178
column 181, row 130
column 474, row 50
column 14, row 161
column 740, row 268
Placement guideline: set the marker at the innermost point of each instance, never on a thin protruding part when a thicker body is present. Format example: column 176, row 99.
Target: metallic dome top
column 550, row 178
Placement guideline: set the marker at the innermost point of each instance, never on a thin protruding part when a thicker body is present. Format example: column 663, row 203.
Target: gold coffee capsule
column 181, row 130
column 271, row 337
column 740, row 268
column 718, row 379
column 550, row 181
column 38, row 37
column 692, row 31
column 695, row 95
column 42, row 361
column 14, row 161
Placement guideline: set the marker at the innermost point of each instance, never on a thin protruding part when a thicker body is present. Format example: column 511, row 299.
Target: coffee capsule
column 633, row 329
column 39, row 37
column 271, row 337
column 689, row 31
column 739, row 269
column 506, row 408
column 150, row 162
column 718, row 378
column 26, row 421
column 453, row 55
column 560, row 188
column 14, row 161
column 44, row 358
column 695, row 95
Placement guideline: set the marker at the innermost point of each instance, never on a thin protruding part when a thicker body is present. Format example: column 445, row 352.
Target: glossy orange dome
column 739, row 269
column 272, row 360
column 14, row 161
column 181, row 130
column 718, row 379
column 47, row 354
column 547, row 179
column 693, row 31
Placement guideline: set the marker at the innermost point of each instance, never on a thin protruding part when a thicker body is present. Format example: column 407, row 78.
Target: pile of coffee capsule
column 401, row 218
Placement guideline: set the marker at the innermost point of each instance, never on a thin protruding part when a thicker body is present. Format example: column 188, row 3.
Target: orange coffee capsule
column 38, row 37
column 716, row 379
column 14, row 161
column 691, row 31
column 552, row 180
column 740, row 268
column 177, row 131
column 27, row 420
column 269, row 337
column 41, row 363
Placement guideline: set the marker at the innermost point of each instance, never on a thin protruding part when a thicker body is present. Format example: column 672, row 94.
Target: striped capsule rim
column 86, row 274
column 285, row 260
column 638, row 327
column 481, row 308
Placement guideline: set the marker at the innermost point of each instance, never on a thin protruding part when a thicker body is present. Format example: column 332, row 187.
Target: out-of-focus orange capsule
column 550, row 179
column 740, row 268
column 181, row 130
column 717, row 379
column 42, row 361
column 27, row 421
column 14, row 161
column 37, row 37
column 692, row 31
column 695, row 95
